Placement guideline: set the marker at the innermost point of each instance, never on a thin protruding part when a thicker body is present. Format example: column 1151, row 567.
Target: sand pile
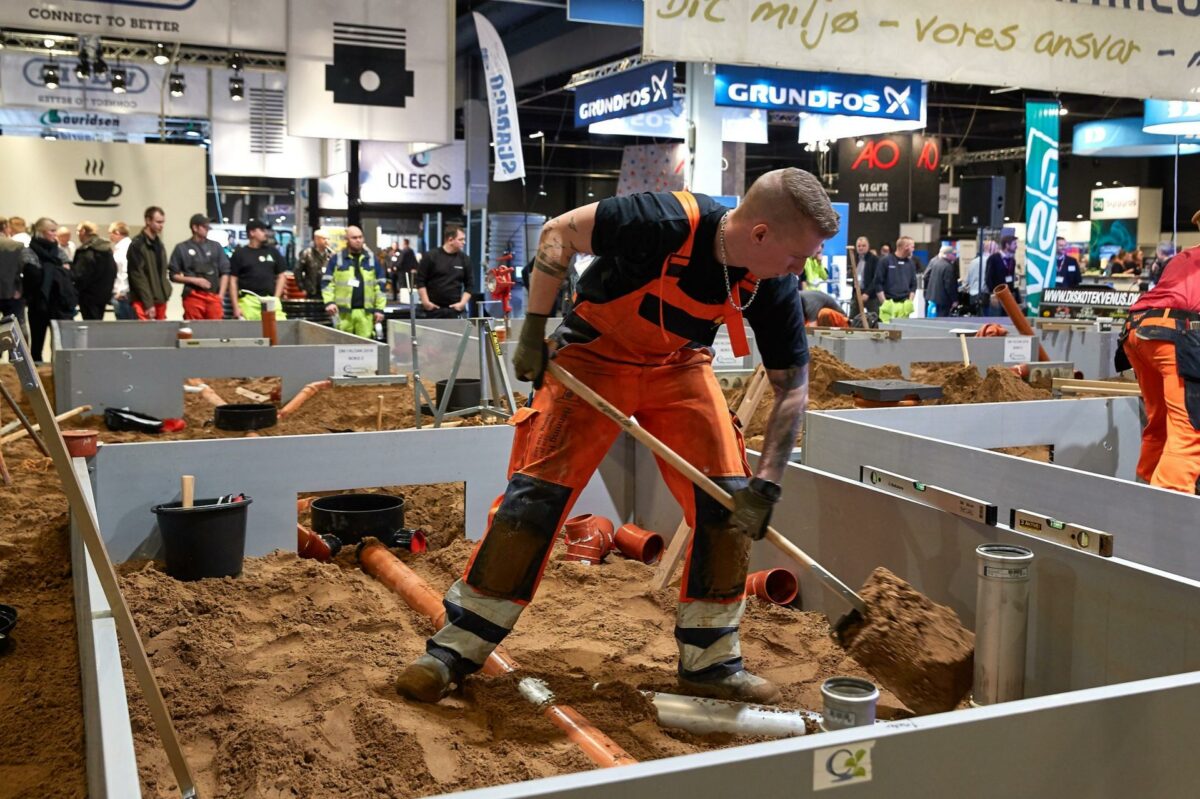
column 280, row 681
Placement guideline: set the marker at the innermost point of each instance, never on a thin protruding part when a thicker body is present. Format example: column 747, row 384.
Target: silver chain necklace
column 725, row 268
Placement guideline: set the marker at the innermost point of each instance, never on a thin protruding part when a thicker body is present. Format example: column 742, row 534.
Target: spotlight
column 538, row 135
column 83, row 67
column 176, row 83
column 1062, row 110
column 237, row 89
column 118, row 80
column 859, row 142
column 160, row 54
column 50, row 75
column 235, row 61
column 49, row 135
column 99, row 65
column 48, row 43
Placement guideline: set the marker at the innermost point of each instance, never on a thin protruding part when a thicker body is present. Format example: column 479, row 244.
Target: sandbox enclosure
column 1091, row 481
column 140, row 366
column 1111, row 642
column 863, row 350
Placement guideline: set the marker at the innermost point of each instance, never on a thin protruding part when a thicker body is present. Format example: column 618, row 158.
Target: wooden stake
column 60, row 418
column 379, row 414
column 188, row 485
column 962, row 339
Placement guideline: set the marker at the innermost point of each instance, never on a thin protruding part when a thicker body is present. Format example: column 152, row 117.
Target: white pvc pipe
column 707, row 716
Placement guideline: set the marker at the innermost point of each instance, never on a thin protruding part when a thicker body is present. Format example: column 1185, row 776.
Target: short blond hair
column 89, row 228
column 802, row 192
column 17, row 224
column 43, row 224
column 119, row 227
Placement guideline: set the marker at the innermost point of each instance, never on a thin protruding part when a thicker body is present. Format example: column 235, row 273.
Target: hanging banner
column 748, row 125
column 221, row 23
column 103, row 182
column 249, row 137
column 1173, row 117
column 1125, row 138
column 634, row 91
column 606, row 12
column 67, row 124
column 1041, row 199
column 888, row 181
column 370, row 70
column 502, row 103
column 1145, row 51
column 388, row 174
column 145, row 93
column 819, row 92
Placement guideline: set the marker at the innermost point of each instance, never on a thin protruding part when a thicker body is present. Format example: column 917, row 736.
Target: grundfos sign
column 819, row 93
column 633, row 91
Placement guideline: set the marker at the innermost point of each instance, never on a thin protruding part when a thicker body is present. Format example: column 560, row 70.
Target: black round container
column 465, row 394
column 245, row 416
column 8, row 620
column 352, row 516
column 208, row 540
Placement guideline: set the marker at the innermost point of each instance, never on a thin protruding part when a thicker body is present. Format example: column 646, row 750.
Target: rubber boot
column 741, row 686
column 426, row 679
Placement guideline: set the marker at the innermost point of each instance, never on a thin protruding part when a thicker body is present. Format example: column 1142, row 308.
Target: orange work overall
column 625, row 350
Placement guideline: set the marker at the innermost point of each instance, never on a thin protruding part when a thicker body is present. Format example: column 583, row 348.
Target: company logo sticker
column 836, row 766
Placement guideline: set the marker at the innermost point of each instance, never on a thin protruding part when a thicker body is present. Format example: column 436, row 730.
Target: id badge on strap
column 736, row 326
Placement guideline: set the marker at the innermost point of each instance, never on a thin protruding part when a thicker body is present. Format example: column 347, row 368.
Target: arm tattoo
column 571, row 224
column 787, row 414
column 556, row 271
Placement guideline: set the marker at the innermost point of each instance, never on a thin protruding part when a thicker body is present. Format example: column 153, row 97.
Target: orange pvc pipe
column 1005, row 296
column 311, row 545
column 207, row 393
column 269, row 329
column 391, row 571
column 303, row 397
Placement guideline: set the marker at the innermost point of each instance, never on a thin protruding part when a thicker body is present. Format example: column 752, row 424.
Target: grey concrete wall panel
column 864, row 353
column 137, row 365
column 1094, row 439
column 108, row 740
column 131, row 478
column 1091, row 351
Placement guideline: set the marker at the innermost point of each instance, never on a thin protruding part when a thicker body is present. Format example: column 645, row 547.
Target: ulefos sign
column 819, row 93
column 1041, row 198
column 634, row 91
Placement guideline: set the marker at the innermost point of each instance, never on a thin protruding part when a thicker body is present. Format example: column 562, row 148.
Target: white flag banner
column 378, row 70
column 502, row 103
column 249, row 137
column 389, row 174
column 1148, row 50
column 146, row 87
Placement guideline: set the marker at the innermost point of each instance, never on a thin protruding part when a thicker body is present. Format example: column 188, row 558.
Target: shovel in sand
column 916, row 648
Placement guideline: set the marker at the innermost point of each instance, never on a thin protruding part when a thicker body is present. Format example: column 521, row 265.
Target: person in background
column 1133, row 262
column 149, row 285
column 941, row 281
column 408, row 263
column 822, row 310
column 310, row 266
column 976, row 285
column 1001, row 270
column 391, row 267
column 118, row 236
column 866, row 272
column 1116, row 264
column 355, row 287
column 63, row 235
column 1067, row 274
column 885, row 250
column 17, row 231
column 815, row 273
column 93, row 271
column 896, row 275
column 15, row 258
column 256, row 271
column 1162, row 343
column 48, row 288
column 1162, row 256
column 445, row 278
column 201, row 266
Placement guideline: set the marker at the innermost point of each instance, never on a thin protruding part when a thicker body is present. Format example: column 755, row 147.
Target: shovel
column 917, row 649
column 858, row 607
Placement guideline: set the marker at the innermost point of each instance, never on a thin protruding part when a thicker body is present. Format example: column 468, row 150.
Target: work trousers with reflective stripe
column 559, row 442
column 1170, row 456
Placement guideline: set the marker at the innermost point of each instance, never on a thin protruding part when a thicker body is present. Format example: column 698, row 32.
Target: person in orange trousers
column 671, row 269
column 1162, row 343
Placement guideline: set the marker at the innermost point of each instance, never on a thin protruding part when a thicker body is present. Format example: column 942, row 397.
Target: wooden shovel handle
column 188, row 486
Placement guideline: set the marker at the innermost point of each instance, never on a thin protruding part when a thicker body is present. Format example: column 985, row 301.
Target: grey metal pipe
column 849, row 702
column 706, row 716
column 1001, row 622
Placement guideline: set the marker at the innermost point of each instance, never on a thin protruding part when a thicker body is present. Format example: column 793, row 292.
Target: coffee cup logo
column 94, row 190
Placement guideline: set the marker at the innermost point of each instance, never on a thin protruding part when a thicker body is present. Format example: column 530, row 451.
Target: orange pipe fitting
column 418, row 595
column 1014, row 313
column 303, row 396
column 311, row 545
column 637, row 544
column 589, row 538
column 777, row 586
column 207, row 393
column 991, row 329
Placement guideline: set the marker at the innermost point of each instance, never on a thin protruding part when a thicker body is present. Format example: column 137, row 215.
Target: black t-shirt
column 815, row 301
column 634, row 234
column 256, row 269
column 445, row 277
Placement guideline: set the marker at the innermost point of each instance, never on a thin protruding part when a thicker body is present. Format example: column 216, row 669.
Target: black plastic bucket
column 245, row 416
column 208, row 540
column 465, row 394
column 352, row 516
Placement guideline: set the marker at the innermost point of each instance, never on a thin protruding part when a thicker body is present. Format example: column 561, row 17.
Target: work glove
column 751, row 513
column 532, row 355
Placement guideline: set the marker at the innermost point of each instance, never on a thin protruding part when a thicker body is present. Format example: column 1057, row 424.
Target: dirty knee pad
column 720, row 556
column 509, row 561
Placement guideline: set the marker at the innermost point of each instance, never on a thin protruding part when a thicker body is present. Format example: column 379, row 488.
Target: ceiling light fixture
column 235, row 61
column 118, row 80
column 48, row 43
column 160, row 54
column 99, row 65
column 176, row 84
column 237, row 89
column 50, row 74
column 537, row 135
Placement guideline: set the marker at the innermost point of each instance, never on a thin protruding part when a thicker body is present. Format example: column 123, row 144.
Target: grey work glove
column 751, row 513
column 532, row 355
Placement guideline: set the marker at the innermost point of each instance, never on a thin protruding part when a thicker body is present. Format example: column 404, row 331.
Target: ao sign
column 819, row 93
